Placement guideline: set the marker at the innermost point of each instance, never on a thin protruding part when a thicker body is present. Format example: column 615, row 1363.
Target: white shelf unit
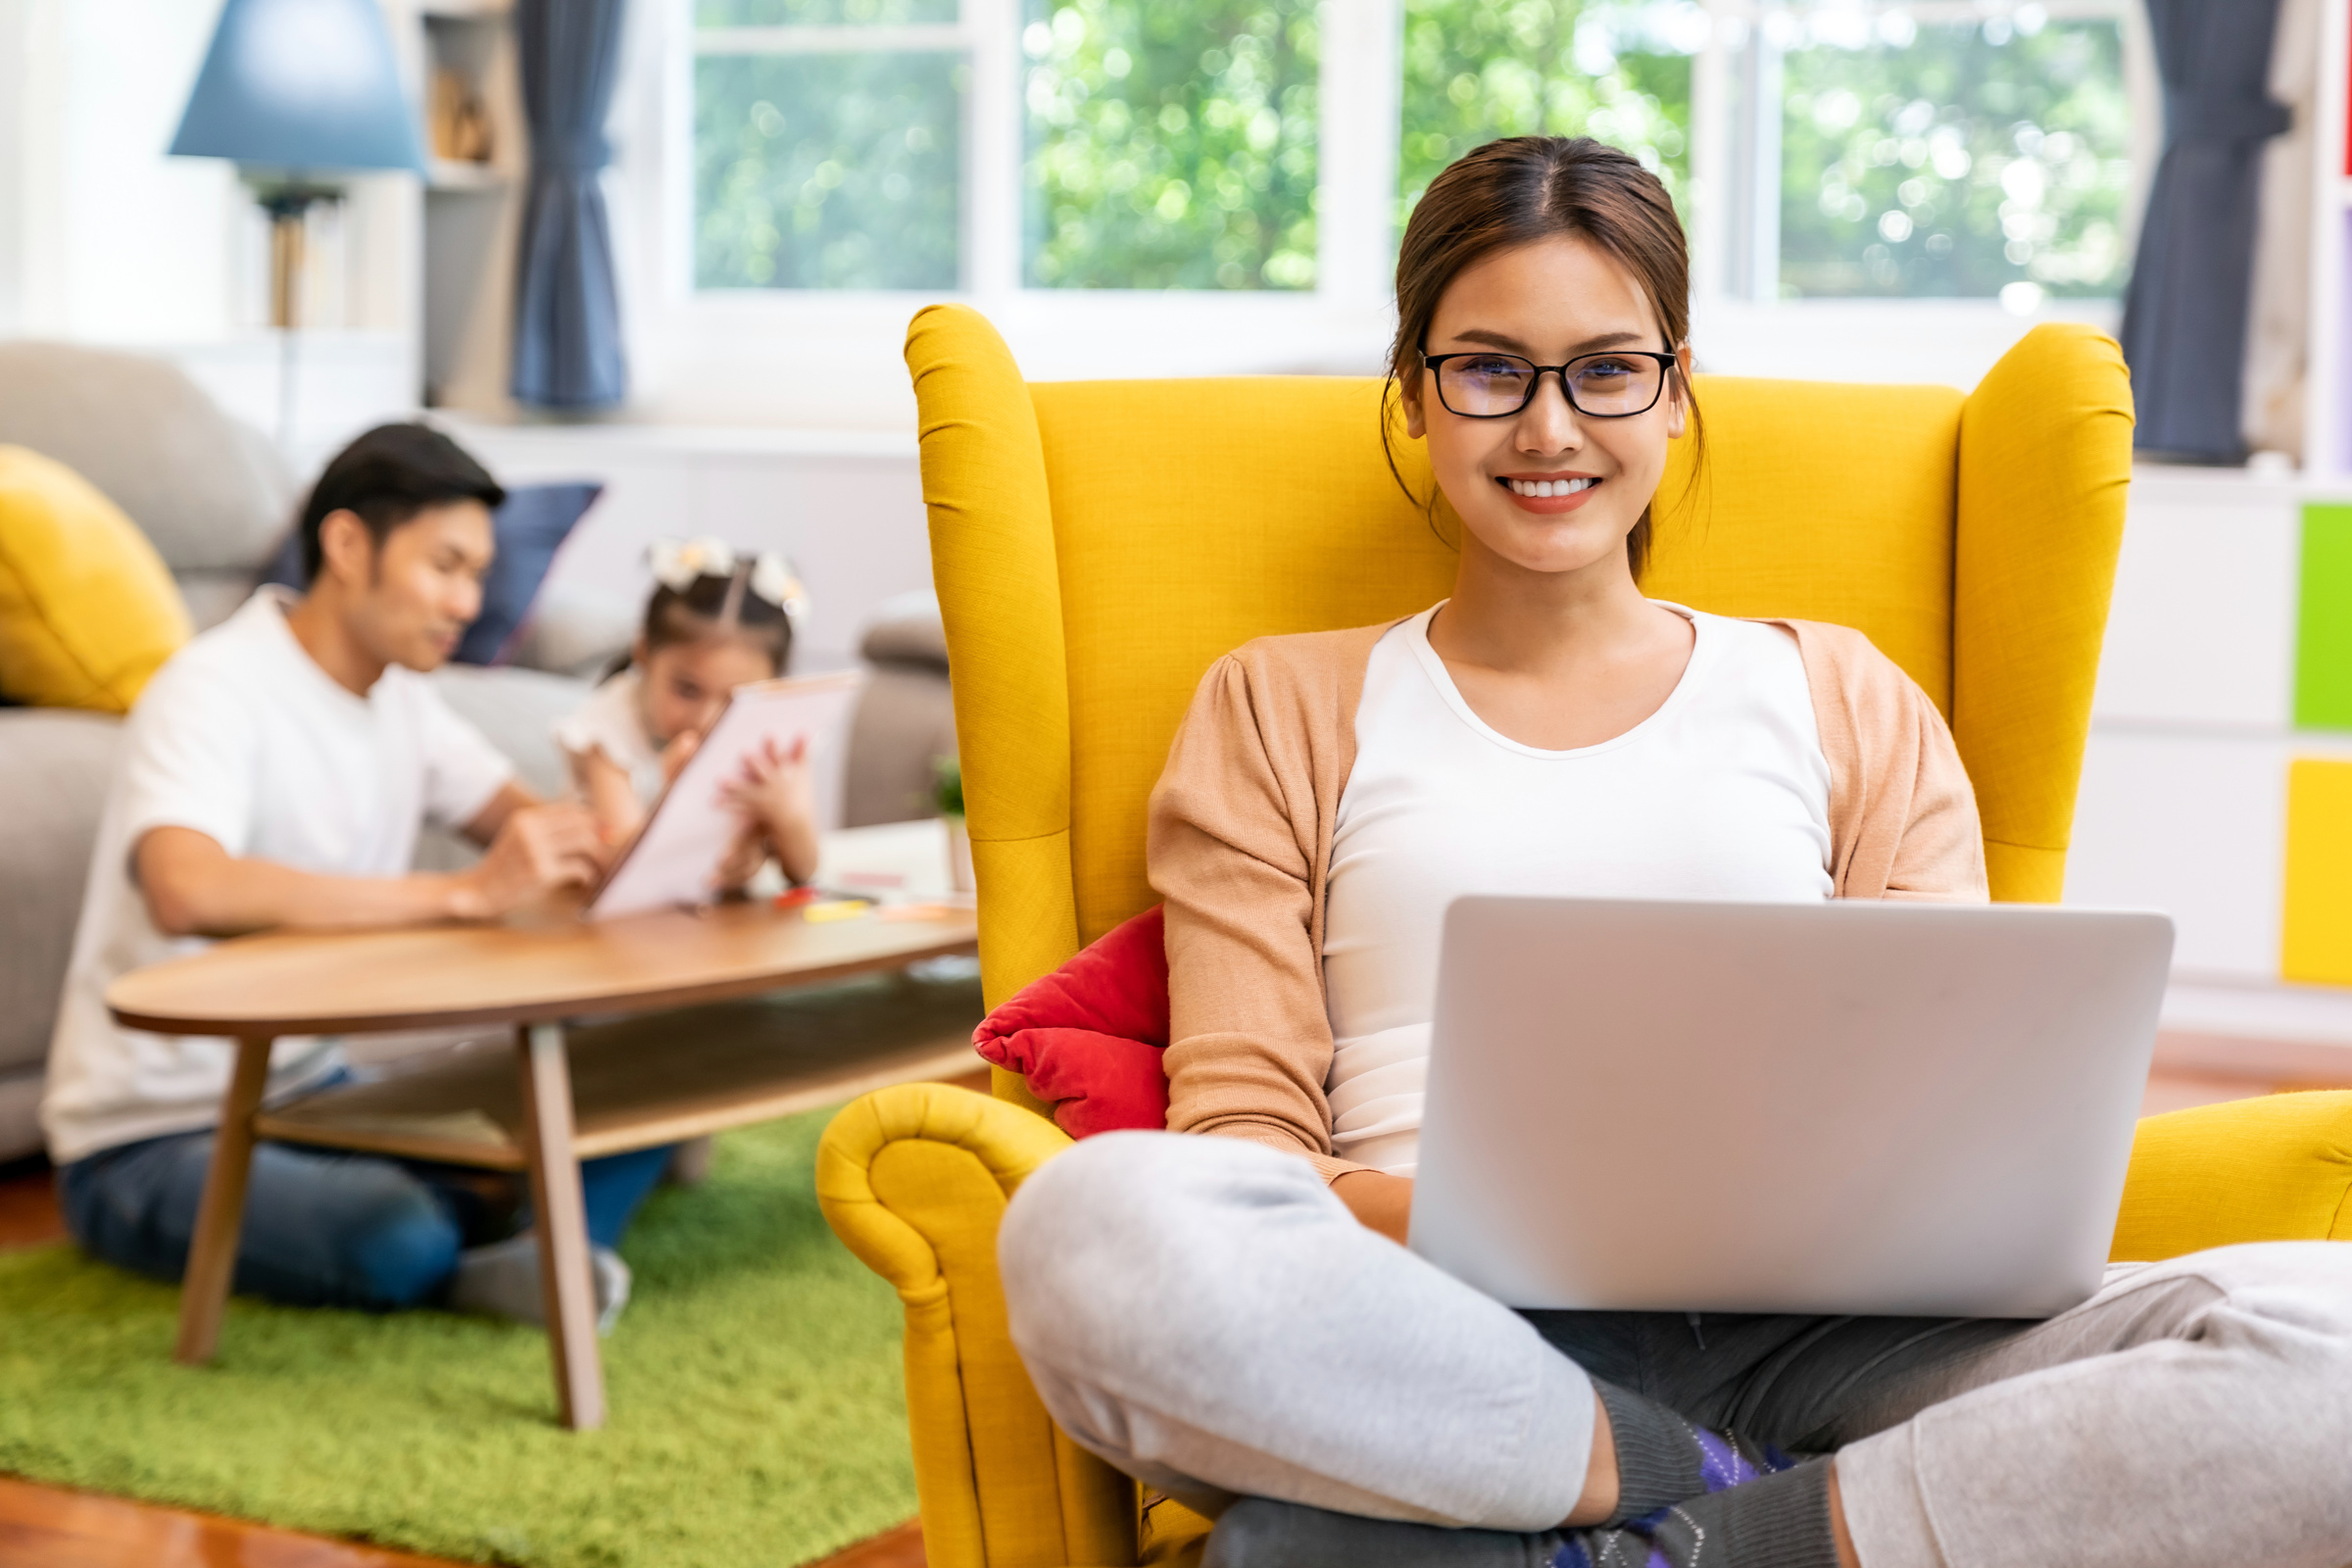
column 473, row 207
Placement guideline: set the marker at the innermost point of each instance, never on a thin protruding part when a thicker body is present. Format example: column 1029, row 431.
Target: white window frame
column 830, row 358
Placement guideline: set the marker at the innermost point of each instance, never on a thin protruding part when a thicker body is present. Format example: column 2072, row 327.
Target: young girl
column 1222, row 1309
column 715, row 621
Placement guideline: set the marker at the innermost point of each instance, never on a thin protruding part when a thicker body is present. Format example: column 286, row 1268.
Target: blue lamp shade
column 301, row 85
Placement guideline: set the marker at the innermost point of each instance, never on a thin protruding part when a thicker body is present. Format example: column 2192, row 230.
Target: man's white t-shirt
column 243, row 738
column 1722, row 793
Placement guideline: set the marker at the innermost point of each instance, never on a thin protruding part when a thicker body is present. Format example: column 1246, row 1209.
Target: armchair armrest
column 914, row 1180
column 2278, row 1168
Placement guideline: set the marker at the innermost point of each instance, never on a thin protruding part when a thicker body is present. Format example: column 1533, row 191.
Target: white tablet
column 677, row 850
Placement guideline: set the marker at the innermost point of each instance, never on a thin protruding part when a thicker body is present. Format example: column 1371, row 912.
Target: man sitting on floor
column 275, row 774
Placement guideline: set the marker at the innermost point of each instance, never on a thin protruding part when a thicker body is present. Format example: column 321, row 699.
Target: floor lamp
column 295, row 92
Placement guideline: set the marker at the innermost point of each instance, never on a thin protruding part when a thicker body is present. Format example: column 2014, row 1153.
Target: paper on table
column 678, row 849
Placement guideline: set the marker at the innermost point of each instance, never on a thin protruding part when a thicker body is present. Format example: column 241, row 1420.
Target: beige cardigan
column 1241, row 834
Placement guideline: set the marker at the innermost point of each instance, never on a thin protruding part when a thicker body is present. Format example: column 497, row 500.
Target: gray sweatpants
column 1203, row 1314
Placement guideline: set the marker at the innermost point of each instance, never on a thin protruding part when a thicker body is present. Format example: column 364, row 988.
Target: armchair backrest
column 1097, row 545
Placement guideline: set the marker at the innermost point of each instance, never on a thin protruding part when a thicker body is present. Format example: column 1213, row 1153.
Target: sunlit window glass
column 828, row 144
column 821, row 13
column 1475, row 71
column 1963, row 160
column 1171, row 143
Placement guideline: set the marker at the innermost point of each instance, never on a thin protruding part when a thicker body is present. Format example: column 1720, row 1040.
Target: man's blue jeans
column 321, row 1228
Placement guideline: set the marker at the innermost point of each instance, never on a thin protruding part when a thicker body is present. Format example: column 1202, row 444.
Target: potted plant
column 947, row 799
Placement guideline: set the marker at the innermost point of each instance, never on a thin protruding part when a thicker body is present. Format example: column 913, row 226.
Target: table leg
column 563, row 1224
column 213, row 1255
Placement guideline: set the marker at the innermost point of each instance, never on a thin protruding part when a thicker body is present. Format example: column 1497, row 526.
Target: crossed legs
column 1205, row 1315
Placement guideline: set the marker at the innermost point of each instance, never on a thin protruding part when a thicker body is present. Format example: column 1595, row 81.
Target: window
column 1475, row 71
column 828, row 140
column 1170, row 145
column 1969, row 159
column 1171, row 187
column 1163, row 143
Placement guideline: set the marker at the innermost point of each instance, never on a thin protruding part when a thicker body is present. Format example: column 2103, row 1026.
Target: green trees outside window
column 1175, row 144
column 1956, row 161
column 1475, row 70
column 827, row 170
column 1171, row 144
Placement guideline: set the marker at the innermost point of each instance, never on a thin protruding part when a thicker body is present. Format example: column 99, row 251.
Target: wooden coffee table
column 545, row 1106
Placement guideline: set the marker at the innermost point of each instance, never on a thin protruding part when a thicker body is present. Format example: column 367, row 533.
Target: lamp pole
column 288, row 205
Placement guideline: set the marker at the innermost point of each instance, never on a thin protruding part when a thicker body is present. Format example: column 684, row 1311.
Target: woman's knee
column 2301, row 1288
column 1136, row 1234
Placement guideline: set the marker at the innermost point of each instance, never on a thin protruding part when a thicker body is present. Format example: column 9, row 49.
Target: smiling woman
column 1620, row 254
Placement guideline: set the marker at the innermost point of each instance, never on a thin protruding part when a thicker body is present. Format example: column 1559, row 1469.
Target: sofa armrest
column 914, row 1180
column 55, row 766
column 2278, row 1168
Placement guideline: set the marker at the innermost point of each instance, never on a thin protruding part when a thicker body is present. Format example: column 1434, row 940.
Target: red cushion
column 1088, row 1037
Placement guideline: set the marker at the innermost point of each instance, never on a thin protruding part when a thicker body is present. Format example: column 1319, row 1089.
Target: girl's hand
column 742, row 862
column 611, row 799
column 777, row 795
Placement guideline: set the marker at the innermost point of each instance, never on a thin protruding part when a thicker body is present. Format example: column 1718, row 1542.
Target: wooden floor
column 46, row 1527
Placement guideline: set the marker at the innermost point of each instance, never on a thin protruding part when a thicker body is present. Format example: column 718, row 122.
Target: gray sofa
column 213, row 497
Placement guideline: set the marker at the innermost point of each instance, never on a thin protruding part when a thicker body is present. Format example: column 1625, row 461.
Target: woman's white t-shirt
column 1722, row 793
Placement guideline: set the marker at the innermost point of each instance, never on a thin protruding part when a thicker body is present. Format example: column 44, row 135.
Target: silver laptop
column 1776, row 1107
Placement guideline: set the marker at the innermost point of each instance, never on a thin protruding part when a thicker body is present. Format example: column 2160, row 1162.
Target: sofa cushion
column 87, row 610
column 517, row 709
column 208, row 492
column 577, row 630
column 907, row 630
column 532, row 526
column 212, row 597
column 2278, row 1168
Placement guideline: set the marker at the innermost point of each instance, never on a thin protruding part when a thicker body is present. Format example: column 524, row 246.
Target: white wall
column 110, row 240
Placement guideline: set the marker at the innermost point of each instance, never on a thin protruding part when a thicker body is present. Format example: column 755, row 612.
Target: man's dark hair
column 389, row 475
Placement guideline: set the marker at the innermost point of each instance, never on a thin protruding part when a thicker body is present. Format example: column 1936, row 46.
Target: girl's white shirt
column 611, row 722
column 1722, row 793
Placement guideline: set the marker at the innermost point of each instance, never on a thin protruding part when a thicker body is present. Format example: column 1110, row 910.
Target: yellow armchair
column 1097, row 545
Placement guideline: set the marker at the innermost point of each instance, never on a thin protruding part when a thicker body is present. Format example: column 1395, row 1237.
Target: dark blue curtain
column 568, row 351
column 2184, row 314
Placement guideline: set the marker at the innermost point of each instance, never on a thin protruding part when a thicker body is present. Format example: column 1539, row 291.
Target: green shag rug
column 757, row 1409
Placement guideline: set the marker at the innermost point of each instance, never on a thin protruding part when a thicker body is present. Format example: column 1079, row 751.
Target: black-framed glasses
column 1614, row 385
